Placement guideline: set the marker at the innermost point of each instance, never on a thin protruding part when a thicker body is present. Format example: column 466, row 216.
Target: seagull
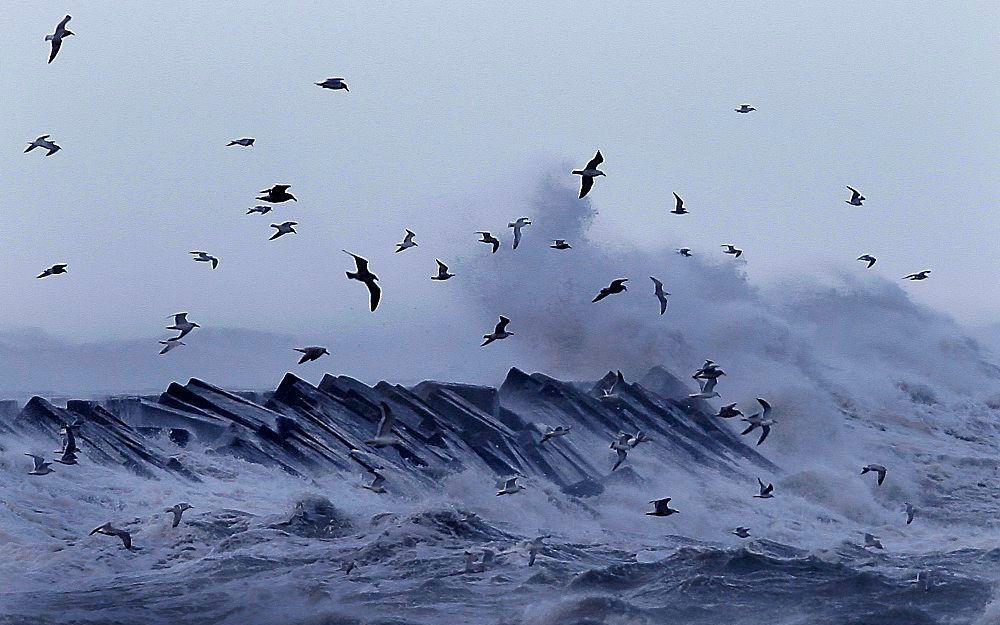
column 110, row 530
column 742, row 532
column 535, row 546
column 660, row 294
column 334, row 83
column 205, row 257
column 169, row 345
column 856, row 198
column 638, row 437
column 910, row 512
column 41, row 466
column 510, row 487
column 442, row 272
column 709, row 370
column 707, row 389
column 500, row 332
column 347, row 567
column 490, row 239
column 729, row 411
column 685, row 252
column 560, row 244
column 760, row 420
column 661, row 507
column 57, row 37
column 551, row 433
column 766, row 492
column 621, row 446
column 376, row 485
column 616, row 286
column 872, row 541
column 383, row 435
column 868, row 258
column 877, row 468
column 178, row 509
column 517, row 225
column 285, row 227
column 182, row 325
column 245, row 142
column 43, row 142
column 732, row 250
column 369, row 279
column 745, row 108
column 608, row 394
column 67, row 457
column 407, row 241
column 311, row 353
column 54, row 270
column 69, row 441
column 679, row 208
column 277, row 194
column 589, row 173
column 920, row 275
column 262, row 209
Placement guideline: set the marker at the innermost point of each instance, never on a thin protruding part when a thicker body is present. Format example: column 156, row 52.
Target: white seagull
column 383, row 435
column 707, row 389
column 766, row 492
column 510, row 486
column 760, row 420
column 588, row 174
column 499, row 332
column 311, row 353
column 182, row 325
column 178, row 511
column 41, row 467
column 43, row 142
column 517, row 225
column 169, row 345
column 407, row 241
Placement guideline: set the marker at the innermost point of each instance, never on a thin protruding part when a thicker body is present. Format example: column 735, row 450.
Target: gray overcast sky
column 455, row 114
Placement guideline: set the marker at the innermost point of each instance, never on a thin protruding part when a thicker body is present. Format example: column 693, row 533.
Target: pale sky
column 456, row 114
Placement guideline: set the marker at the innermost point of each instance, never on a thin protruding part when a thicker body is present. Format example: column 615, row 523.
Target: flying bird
column 661, row 507
column 178, row 510
column 589, row 173
column 766, row 492
column 685, row 252
column 182, row 325
column 245, row 142
column 616, row 286
column 169, row 345
column 868, row 258
column 54, row 270
column 277, row 194
column 877, row 468
column 660, row 294
column 535, row 547
column 205, row 257
column 742, row 532
column 621, row 447
column 856, row 198
column 729, row 411
column 560, row 244
column 489, row 239
column 745, row 108
column 334, row 83
column 383, row 433
column 45, row 143
column 760, row 420
column 920, row 275
column 285, row 227
column 407, row 241
column 57, row 37
column 608, row 395
column 377, row 485
column 369, row 279
column 730, row 249
column 311, row 353
column 707, row 389
column 517, row 225
column 262, row 209
column 41, row 467
column 442, row 273
column 637, row 438
column 510, row 486
column 500, row 332
column 910, row 512
column 872, row 541
column 679, row 207
column 555, row 432
column 110, row 530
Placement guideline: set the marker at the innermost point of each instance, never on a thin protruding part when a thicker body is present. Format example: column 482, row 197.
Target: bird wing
column 680, row 202
column 180, row 318
column 710, row 385
column 517, row 236
column 501, row 325
column 766, row 406
column 386, row 422
column 620, row 282
column 586, row 183
column 510, row 483
column 375, row 293
column 597, row 160
column 658, row 287
column 442, row 268
column 764, row 431
column 409, row 236
column 62, row 24
column 215, row 261
column 361, row 263
column 126, row 538
column 177, row 516
column 38, row 460
column 56, row 44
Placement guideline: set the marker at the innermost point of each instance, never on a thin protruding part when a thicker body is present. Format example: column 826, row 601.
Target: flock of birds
column 707, row 376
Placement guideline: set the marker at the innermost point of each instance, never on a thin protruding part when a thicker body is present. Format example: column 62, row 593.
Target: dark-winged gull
column 555, row 432
column 311, row 353
column 872, row 541
column 499, row 332
column 877, row 468
column 41, row 466
column 489, row 239
column 856, row 198
column 616, row 286
column 742, row 532
column 384, row 436
column 263, row 209
column 535, row 546
column 516, row 226
column 407, row 241
column 731, row 249
column 560, row 244
column 920, row 275
column 868, row 258
column 660, row 294
column 766, row 492
column 110, row 530
column 588, row 174
column 685, row 252
column 182, row 325
column 45, row 143
column 679, row 206
column 54, row 270
column 745, row 108
column 621, row 447
column 910, row 512
column 334, row 83
column 729, row 411
column 205, row 257
column 245, row 142
column 442, row 273
column 277, row 194
column 178, row 510
column 760, row 420
column 56, row 37
column 366, row 277
column 285, row 227
column 661, row 507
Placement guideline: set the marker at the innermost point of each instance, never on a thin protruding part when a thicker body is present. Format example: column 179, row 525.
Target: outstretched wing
column 386, row 422
column 374, row 292
column 502, row 325
column 597, row 160
column 586, row 183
